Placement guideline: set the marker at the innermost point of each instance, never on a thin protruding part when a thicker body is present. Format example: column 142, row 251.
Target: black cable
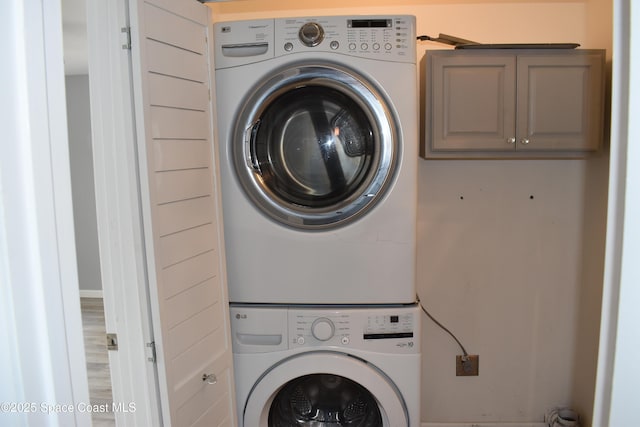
column 464, row 351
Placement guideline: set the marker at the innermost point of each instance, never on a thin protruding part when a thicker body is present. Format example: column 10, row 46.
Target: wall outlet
column 467, row 366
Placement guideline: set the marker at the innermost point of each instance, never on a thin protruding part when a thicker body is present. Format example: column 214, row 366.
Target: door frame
column 617, row 379
column 42, row 361
column 119, row 215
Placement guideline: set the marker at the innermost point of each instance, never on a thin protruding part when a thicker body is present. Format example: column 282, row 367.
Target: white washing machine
column 318, row 131
column 327, row 367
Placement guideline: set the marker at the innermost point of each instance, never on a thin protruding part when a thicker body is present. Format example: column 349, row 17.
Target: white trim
column 43, row 307
column 90, row 293
column 63, row 207
column 122, row 252
column 617, row 376
column 610, row 292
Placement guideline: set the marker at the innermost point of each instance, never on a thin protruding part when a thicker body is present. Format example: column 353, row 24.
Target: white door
column 181, row 210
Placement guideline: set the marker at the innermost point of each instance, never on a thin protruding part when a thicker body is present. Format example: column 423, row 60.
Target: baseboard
column 90, row 293
column 484, row 425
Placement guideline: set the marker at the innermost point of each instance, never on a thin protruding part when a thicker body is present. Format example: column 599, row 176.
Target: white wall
column 84, row 200
column 518, row 279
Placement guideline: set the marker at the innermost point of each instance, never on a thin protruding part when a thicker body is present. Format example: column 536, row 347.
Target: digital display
column 393, row 319
column 370, row 23
column 387, row 335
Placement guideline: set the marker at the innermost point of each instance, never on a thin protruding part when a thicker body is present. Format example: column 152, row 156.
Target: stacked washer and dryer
column 318, row 132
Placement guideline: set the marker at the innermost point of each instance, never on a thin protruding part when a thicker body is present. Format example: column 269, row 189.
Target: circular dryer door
column 315, row 146
column 324, row 389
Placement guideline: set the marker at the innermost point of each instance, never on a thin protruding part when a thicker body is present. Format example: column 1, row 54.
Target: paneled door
column 473, row 102
column 182, row 215
column 559, row 101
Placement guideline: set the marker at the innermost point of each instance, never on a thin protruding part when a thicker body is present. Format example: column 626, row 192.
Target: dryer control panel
column 383, row 38
column 389, row 38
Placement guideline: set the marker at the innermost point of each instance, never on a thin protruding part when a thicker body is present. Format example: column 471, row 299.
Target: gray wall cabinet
column 513, row 103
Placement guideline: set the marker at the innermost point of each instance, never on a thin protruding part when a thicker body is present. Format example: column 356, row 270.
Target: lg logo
column 241, row 316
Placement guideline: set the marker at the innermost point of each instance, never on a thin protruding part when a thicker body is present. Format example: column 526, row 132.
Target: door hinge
column 152, row 346
column 112, row 341
column 127, row 32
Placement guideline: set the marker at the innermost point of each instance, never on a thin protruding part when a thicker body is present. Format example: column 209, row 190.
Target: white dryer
column 318, row 131
column 326, row 367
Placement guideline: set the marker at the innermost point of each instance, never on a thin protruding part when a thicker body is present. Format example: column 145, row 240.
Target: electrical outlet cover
column 469, row 367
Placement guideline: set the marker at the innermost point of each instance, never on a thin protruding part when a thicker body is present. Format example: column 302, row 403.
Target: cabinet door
column 182, row 213
column 472, row 104
column 560, row 100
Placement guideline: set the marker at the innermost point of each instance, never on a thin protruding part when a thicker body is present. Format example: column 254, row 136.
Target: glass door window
column 315, row 146
column 324, row 400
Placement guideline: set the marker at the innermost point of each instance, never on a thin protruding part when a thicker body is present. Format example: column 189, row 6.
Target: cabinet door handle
column 209, row 378
column 524, row 141
column 511, row 140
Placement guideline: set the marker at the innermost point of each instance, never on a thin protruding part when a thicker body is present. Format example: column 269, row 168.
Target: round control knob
column 322, row 329
column 311, row 34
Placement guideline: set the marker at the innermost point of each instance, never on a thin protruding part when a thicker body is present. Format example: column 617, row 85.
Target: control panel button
column 364, row 46
column 352, row 46
column 288, row 46
column 334, row 45
column 311, row 34
column 322, row 329
column 387, row 46
column 376, row 46
column 345, row 340
column 300, row 340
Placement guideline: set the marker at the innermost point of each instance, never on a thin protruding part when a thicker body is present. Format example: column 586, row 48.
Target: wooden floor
column 97, row 360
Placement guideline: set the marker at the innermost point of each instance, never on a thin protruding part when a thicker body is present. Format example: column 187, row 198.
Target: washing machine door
column 324, row 389
column 315, row 146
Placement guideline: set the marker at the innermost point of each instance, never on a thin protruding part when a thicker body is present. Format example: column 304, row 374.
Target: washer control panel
column 381, row 37
column 377, row 329
column 264, row 328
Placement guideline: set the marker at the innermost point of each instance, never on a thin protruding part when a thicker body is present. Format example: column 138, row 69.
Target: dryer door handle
column 250, row 146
